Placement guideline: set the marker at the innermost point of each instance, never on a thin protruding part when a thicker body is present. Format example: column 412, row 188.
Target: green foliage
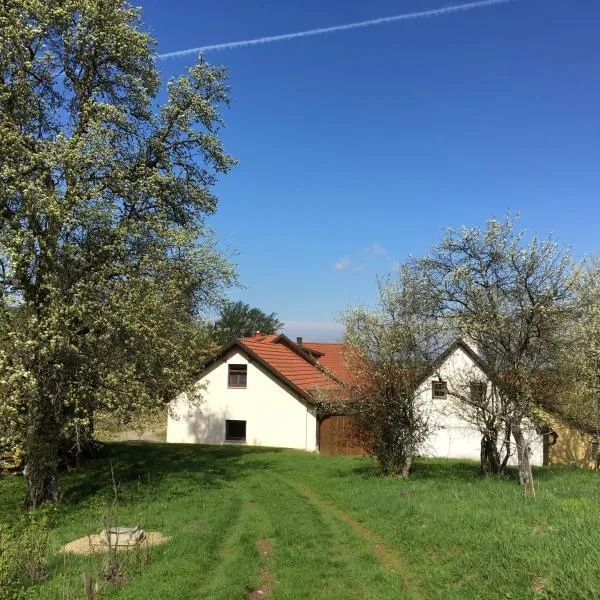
column 238, row 319
column 105, row 255
column 390, row 349
column 23, row 555
column 513, row 300
column 579, row 400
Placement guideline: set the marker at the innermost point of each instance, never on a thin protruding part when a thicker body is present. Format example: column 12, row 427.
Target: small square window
column 235, row 431
column 238, row 375
column 438, row 389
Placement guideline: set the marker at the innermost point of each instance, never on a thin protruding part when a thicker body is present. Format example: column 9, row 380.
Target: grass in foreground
column 326, row 528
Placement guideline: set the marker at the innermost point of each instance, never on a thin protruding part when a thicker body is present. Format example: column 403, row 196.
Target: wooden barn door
column 336, row 436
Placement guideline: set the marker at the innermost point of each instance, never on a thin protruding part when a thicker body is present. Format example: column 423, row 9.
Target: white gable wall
column 453, row 437
column 274, row 415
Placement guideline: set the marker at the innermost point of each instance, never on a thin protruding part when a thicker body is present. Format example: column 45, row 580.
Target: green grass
column 337, row 531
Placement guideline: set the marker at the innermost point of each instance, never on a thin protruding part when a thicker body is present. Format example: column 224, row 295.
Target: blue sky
column 358, row 148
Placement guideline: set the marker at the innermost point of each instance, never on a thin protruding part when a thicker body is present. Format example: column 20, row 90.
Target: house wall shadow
column 206, row 427
column 572, row 447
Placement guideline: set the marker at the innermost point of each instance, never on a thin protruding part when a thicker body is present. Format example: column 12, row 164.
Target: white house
column 262, row 391
column 452, row 436
column 258, row 391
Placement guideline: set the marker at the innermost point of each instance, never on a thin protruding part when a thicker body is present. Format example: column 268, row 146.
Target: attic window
column 238, row 376
column 235, row 431
column 438, row 389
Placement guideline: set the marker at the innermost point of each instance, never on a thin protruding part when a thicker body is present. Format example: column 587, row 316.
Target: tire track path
column 389, row 558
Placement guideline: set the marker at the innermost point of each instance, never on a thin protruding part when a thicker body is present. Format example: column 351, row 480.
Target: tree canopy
column 390, row 349
column 521, row 304
column 513, row 299
column 238, row 319
column 104, row 246
column 579, row 365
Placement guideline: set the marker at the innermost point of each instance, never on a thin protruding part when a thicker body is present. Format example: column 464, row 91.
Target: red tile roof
column 288, row 359
column 333, row 358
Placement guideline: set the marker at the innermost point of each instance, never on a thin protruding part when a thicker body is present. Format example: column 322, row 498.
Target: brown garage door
column 337, row 436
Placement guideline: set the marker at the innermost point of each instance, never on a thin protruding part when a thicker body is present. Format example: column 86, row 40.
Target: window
column 238, row 375
column 438, row 389
column 478, row 392
column 235, row 431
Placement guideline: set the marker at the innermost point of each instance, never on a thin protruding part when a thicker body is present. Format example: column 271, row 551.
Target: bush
column 23, row 556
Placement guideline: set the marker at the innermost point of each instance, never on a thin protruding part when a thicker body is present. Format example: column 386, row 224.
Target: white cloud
column 377, row 249
column 362, row 259
column 342, row 264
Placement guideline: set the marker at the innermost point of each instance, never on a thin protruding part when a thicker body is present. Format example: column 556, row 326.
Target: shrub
column 23, row 550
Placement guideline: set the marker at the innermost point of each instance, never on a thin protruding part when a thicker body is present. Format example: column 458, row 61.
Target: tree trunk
column 595, row 449
column 41, row 452
column 523, row 454
column 506, row 446
column 406, row 467
column 490, row 457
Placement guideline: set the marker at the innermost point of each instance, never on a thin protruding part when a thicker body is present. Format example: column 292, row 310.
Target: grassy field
column 301, row 526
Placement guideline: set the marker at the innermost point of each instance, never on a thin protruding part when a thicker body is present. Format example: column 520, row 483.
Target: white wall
column 274, row 415
column 453, row 437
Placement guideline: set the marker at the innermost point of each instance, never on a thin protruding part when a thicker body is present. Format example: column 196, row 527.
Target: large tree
column 579, row 367
column 238, row 319
column 391, row 348
column 512, row 299
column 103, row 242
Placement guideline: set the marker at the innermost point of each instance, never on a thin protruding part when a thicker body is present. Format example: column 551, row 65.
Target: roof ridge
column 295, row 348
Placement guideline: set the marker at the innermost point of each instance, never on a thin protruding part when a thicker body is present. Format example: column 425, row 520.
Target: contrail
column 437, row 12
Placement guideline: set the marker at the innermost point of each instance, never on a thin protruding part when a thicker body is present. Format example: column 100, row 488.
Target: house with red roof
column 261, row 391
column 264, row 390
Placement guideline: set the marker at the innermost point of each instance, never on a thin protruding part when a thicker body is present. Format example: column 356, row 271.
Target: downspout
column 306, row 426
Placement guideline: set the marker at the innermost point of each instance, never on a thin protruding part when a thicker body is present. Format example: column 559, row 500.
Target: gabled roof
column 331, row 356
column 285, row 360
column 292, row 363
column 458, row 344
column 462, row 345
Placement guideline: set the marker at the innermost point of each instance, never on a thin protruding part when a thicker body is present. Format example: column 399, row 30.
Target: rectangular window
column 438, row 389
column 238, row 375
column 235, row 431
column 478, row 392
